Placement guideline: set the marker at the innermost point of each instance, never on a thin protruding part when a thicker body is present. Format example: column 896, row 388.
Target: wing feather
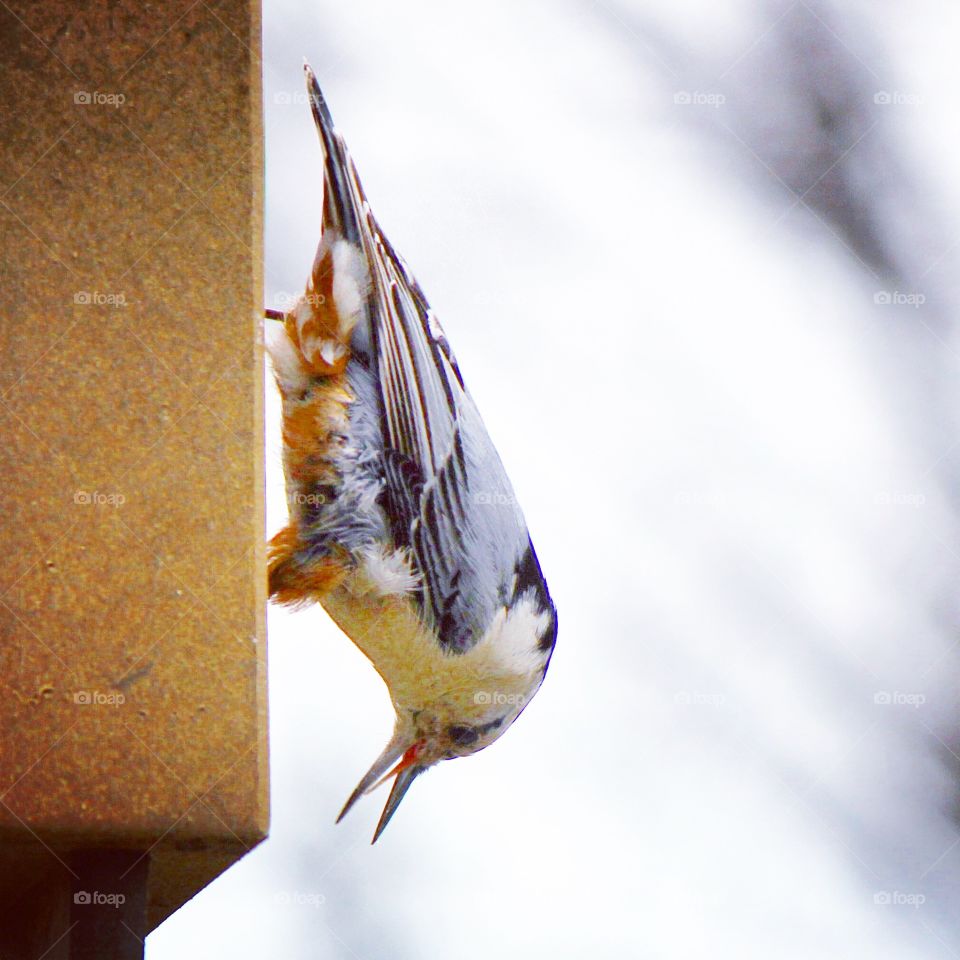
column 446, row 494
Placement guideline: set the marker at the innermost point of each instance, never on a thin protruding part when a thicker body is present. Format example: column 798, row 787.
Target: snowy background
column 697, row 262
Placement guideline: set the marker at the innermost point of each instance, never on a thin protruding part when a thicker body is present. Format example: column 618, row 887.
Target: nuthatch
column 403, row 524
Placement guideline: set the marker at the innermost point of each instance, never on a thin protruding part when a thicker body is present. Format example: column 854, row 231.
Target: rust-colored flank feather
column 310, row 419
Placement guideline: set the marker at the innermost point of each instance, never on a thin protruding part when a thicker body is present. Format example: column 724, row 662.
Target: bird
column 402, row 522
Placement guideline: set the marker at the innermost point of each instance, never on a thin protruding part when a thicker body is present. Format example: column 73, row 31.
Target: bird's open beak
column 407, row 770
column 400, row 786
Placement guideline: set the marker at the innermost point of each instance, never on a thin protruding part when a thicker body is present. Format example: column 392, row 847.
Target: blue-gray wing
column 445, row 492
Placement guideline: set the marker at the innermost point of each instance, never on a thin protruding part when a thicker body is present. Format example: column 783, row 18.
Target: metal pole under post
column 89, row 904
column 108, row 913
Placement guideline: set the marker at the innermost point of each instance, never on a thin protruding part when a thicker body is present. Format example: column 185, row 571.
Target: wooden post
column 132, row 663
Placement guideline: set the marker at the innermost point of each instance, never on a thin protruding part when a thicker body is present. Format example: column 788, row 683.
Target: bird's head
column 451, row 705
column 426, row 734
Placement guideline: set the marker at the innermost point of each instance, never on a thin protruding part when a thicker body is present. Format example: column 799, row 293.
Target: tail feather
column 321, row 325
column 342, row 211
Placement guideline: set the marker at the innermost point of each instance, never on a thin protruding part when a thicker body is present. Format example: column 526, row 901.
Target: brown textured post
column 132, row 687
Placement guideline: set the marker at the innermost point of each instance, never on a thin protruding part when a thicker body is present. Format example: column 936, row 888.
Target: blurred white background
column 697, row 262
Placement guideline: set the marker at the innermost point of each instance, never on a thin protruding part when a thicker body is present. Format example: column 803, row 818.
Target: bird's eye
column 462, row 736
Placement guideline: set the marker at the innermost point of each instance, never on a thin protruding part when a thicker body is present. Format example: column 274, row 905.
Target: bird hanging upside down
column 403, row 523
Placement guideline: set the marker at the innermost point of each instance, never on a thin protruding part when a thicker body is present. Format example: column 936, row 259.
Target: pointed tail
column 342, row 194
